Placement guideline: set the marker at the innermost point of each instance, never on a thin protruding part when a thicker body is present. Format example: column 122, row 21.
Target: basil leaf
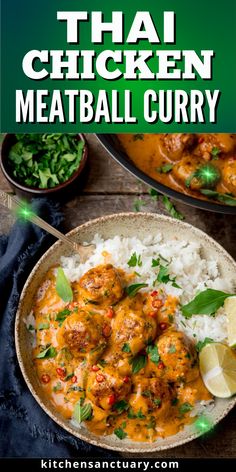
column 154, row 356
column 133, row 289
column 138, row 363
column 82, row 412
column 201, row 344
column 121, row 406
column 47, row 353
column 120, row 433
column 185, row 408
column 215, row 151
column 126, row 347
column 63, row 287
column 205, row 303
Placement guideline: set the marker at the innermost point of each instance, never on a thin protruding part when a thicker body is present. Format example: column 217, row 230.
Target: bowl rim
column 18, row 343
column 37, row 190
column 119, row 157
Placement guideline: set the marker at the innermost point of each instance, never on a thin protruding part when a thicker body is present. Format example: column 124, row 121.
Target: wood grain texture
column 111, row 189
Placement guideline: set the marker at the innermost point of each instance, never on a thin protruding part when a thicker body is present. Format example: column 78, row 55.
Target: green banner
column 127, row 66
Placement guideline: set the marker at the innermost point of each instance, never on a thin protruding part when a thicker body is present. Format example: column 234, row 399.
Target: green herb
column 226, row 198
column 172, row 349
column 47, row 353
column 202, row 344
column 75, row 388
column 126, row 347
column 185, row 408
column 62, row 315
column 57, row 387
column 30, row 327
column 157, row 401
column 102, row 362
column 132, row 290
column 215, row 151
column 138, row 204
column 170, row 318
column 82, row 411
column 136, row 137
column 155, row 262
column 164, row 277
column 152, row 423
column 174, row 401
column 45, row 160
column 63, row 287
column 146, row 393
column 121, row 406
column 138, row 363
column 140, row 415
column 42, row 326
column 131, row 415
column 69, row 376
column 135, row 260
column 171, row 208
column 205, row 303
column 152, row 351
column 154, row 194
column 165, row 169
column 120, row 433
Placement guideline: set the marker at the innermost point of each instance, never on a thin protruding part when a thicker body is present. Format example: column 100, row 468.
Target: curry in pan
column 200, row 165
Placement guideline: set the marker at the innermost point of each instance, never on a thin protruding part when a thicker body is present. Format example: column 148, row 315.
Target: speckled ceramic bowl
column 125, row 224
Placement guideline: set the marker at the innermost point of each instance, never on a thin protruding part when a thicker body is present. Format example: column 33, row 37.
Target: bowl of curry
column 197, row 169
column 103, row 356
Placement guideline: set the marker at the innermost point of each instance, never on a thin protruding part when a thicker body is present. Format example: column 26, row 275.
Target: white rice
column 193, row 272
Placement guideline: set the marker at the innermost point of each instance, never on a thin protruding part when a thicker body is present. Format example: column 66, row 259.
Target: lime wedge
column 230, row 310
column 217, row 364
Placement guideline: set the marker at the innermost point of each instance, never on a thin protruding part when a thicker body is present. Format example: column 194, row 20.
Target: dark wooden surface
column 111, row 189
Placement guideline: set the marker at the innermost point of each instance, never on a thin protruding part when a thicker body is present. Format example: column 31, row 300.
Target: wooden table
column 110, row 189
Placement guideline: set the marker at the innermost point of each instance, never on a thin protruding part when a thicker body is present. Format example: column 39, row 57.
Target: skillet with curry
column 199, row 169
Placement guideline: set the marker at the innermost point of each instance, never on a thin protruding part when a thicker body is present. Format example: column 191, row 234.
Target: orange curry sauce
column 120, row 353
column 172, row 159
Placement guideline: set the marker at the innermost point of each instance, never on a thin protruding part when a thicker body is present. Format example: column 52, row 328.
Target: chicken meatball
column 132, row 331
column 101, row 285
column 175, row 144
column 149, row 395
column 223, row 142
column 229, row 175
column 184, row 170
column 81, row 333
column 105, row 387
column 178, row 356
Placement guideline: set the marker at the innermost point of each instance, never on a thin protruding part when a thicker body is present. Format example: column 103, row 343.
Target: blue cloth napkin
column 25, row 430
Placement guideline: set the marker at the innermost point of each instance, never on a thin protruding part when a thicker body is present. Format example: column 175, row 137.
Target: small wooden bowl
column 28, row 192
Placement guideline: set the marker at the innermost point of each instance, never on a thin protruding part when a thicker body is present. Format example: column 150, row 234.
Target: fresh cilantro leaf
column 203, row 343
column 171, row 208
column 135, row 260
column 152, row 351
column 120, row 433
column 126, row 347
column 185, row 408
column 121, row 406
